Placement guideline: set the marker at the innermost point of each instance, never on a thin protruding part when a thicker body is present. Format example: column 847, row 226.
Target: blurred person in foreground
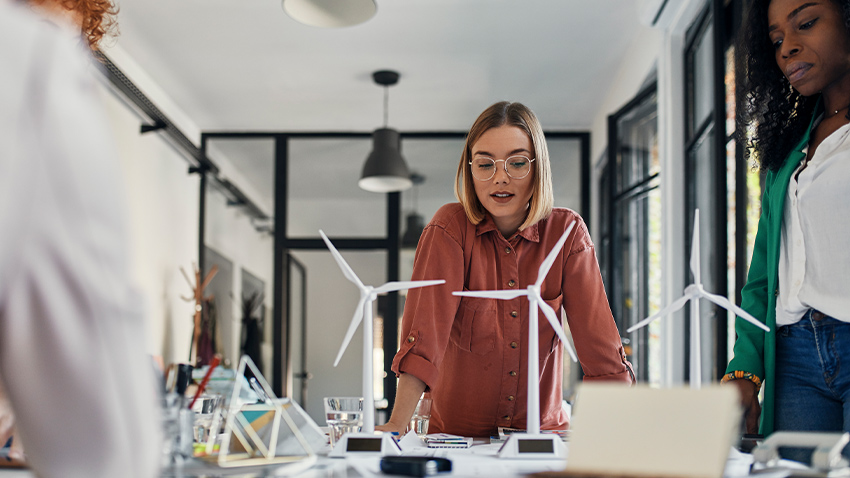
column 72, row 361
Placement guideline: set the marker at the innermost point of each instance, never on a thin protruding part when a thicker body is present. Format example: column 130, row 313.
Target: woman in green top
column 795, row 91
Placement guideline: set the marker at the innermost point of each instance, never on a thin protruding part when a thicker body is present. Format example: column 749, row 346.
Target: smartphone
column 415, row 465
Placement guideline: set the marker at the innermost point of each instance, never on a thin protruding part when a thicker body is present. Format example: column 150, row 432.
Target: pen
column 216, row 359
column 261, row 394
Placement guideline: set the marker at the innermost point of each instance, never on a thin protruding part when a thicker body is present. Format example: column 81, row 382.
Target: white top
column 71, row 337
column 814, row 252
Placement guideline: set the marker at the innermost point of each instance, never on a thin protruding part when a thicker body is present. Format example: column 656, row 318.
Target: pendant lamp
column 330, row 13
column 385, row 169
column 415, row 221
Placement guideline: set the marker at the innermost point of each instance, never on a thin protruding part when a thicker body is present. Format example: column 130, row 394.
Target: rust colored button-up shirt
column 472, row 352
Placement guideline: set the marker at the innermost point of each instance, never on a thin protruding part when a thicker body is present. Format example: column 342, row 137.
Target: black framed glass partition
column 718, row 180
column 632, row 229
column 314, row 186
column 242, row 287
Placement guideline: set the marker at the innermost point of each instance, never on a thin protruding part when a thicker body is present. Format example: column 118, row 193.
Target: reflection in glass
column 323, row 191
column 702, row 193
column 635, row 240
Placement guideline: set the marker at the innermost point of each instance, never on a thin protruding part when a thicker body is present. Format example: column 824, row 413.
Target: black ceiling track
column 160, row 122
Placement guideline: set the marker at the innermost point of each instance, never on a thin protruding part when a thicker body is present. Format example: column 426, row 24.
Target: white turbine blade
column 728, row 305
column 392, row 286
column 355, row 321
column 492, row 294
column 676, row 305
column 695, row 249
column 550, row 259
column 346, row 269
column 556, row 324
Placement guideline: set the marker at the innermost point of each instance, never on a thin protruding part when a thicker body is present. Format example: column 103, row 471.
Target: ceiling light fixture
column 415, row 221
column 330, row 13
column 385, row 169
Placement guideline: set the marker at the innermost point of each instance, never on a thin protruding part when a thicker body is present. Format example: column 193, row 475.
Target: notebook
column 640, row 431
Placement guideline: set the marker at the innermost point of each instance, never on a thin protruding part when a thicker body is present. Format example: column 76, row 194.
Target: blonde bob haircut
column 510, row 114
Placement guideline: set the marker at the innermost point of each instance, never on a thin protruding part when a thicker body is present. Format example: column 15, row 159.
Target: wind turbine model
column 693, row 293
column 541, row 445
column 364, row 308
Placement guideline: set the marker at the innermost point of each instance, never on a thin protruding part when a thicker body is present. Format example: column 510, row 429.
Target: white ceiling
column 245, row 65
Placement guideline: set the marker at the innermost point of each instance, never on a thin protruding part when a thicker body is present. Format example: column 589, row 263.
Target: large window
column 632, row 227
column 718, row 181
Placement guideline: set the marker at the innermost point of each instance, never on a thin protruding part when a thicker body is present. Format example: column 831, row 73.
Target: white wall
column 163, row 221
column 162, row 206
column 331, row 301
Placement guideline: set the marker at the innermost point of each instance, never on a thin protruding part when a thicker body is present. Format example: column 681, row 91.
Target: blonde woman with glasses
column 470, row 353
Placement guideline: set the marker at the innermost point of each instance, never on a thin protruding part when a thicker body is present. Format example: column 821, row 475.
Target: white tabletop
column 479, row 460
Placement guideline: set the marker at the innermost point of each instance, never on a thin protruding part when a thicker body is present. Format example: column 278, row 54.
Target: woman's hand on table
column 392, row 427
column 408, row 392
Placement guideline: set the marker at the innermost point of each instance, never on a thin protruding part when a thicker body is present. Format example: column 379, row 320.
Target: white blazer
column 71, row 335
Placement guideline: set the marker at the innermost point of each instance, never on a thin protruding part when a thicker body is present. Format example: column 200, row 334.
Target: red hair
column 97, row 17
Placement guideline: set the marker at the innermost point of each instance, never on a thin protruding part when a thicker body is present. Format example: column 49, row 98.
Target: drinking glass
column 344, row 415
column 421, row 417
column 205, row 408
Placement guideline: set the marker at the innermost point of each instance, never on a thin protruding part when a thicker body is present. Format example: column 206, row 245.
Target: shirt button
column 513, row 345
column 796, row 283
column 411, row 339
column 506, row 417
column 511, row 283
column 512, row 373
column 510, row 398
column 507, row 250
column 514, row 313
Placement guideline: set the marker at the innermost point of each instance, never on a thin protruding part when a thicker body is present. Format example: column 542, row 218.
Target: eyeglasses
column 484, row 167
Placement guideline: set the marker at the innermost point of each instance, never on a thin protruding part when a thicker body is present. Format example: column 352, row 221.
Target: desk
column 479, row 460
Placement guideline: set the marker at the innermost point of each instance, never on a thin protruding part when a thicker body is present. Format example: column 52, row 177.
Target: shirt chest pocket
column 475, row 325
column 547, row 338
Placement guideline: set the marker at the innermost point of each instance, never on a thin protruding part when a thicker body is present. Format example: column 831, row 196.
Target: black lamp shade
column 415, row 226
column 385, row 169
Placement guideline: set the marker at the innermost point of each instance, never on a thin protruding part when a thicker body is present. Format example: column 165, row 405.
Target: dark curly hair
column 97, row 17
column 765, row 98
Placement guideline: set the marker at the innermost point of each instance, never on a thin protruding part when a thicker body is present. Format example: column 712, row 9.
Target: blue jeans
column 812, row 389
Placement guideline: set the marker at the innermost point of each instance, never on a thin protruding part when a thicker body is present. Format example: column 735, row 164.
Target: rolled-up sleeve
column 429, row 312
column 597, row 340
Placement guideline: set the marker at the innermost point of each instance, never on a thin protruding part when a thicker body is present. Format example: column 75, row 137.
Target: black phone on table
column 415, row 465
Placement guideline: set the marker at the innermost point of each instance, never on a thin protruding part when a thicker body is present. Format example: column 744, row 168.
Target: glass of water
column 344, row 415
column 421, row 417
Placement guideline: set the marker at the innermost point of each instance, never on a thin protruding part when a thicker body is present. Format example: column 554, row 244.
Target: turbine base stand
column 364, row 444
column 536, row 447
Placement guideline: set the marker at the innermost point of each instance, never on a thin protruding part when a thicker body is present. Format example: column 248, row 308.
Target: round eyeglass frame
column 505, row 167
